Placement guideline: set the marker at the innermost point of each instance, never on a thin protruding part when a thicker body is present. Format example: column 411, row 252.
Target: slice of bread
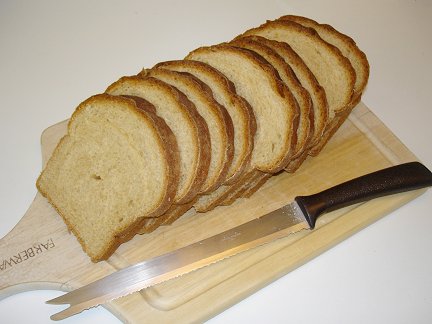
column 187, row 125
column 310, row 83
column 333, row 71
column 275, row 109
column 301, row 95
column 218, row 122
column 116, row 166
column 238, row 108
column 190, row 129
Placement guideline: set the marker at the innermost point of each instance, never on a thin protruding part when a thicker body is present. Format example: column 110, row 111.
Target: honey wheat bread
column 156, row 144
column 116, row 166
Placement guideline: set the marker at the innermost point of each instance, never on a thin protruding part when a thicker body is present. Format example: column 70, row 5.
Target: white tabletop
column 54, row 54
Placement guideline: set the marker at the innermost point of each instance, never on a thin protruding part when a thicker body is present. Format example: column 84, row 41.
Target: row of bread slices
column 212, row 127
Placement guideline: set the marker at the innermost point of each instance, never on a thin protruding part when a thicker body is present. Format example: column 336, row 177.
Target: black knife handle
column 396, row 179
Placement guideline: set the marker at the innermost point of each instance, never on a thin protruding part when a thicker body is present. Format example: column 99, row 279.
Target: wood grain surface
column 39, row 252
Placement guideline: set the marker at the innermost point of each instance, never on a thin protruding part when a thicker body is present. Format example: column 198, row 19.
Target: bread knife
column 301, row 214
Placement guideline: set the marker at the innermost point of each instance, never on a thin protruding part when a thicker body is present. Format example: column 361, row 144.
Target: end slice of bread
column 116, row 166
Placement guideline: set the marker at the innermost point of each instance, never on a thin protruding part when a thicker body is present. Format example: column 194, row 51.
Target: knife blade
column 301, row 214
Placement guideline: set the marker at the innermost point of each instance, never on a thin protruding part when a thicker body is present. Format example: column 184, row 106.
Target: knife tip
column 56, row 301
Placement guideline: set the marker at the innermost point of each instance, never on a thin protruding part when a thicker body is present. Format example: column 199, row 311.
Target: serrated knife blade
column 300, row 214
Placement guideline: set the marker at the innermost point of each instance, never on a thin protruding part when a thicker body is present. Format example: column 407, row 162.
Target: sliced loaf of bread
column 202, row 131
column 116, row 166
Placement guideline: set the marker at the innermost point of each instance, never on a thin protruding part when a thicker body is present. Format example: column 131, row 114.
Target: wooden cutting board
column 39, row 253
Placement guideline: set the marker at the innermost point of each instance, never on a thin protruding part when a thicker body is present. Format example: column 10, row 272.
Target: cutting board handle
column 29, row 252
